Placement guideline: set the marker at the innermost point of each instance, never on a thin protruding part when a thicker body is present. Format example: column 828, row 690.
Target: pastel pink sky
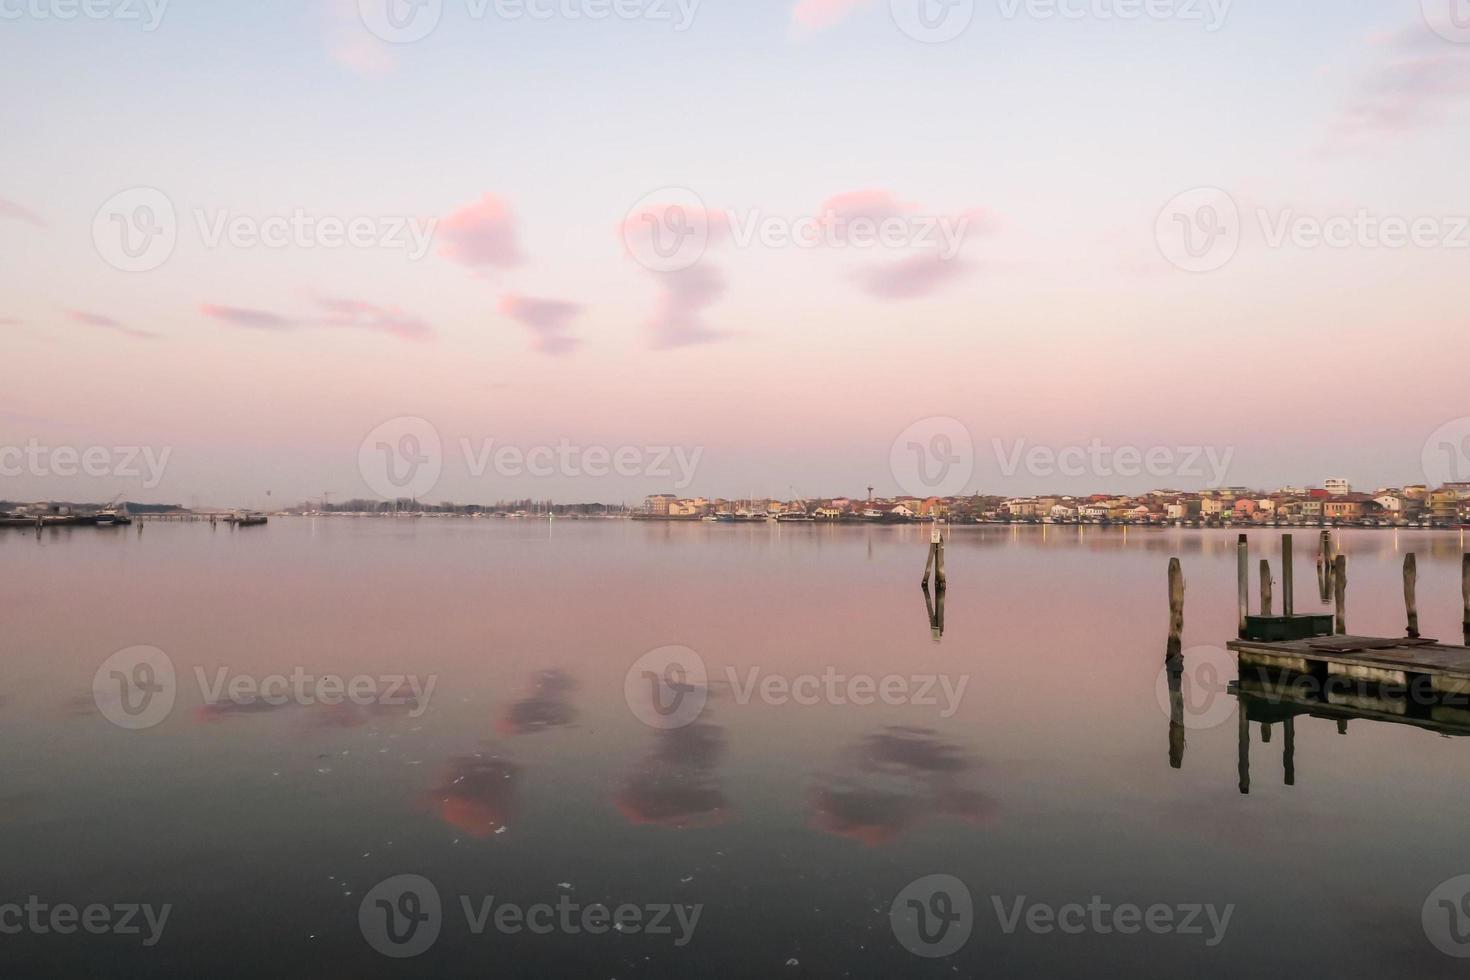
column 556, row 162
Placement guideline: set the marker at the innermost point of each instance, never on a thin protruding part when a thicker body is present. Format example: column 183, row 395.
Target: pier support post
column 1243, row 581
column 1176, row 610
column 1411, row 603
column 941, row 582
column 1265, row 587
column 1288, row 578
column 1465, row 594
column 1339, row 592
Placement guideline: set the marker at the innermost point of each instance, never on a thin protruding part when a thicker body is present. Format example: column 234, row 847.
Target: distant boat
column 796, row 517
column 250, row 519
column 112, row 517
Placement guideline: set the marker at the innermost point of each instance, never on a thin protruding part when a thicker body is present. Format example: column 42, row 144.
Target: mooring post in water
column 1288, row 578
column 1176, row 610
column 1339, row 591
column 940, row 581
column 1265, row 587
column 1411, row 604
column 1288, row 751
column 1342, row 726
column 928, row 564
column 1324, row 567
column 1243, row 577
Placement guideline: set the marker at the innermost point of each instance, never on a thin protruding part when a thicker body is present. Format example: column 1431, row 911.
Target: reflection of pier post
column 936, row 612
column 1175, row 669
column 1243, row 749
column 1288, row 751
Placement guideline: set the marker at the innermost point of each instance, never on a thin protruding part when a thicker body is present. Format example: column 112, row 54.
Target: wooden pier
column 1397, row 662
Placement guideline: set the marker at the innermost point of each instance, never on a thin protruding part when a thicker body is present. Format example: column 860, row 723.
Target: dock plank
column 1417, row 656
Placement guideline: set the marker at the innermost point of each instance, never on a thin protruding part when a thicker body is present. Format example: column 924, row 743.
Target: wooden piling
column 1339, row 591
column 940, row 581
column 1411, row 604
column 1265, row 587
column 1176, row 609
column 1288, row 578
column 1324, row 566
column 1243, row 582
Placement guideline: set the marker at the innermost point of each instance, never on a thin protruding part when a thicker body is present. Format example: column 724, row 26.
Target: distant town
column 1335, row 503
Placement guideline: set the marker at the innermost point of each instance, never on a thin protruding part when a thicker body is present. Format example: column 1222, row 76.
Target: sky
column 756, row 248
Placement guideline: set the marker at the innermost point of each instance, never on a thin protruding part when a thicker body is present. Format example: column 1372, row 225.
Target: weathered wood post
column 1342, row 726
column 1339, row 591
column 1243, row 581
column 1176, row 609
column 1324, row 567
column 1265, row 587
column 941, row 582
column 1411, row 604
column 1288, row 578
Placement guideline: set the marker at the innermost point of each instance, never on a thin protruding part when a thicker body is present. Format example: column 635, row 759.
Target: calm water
column 528, row 774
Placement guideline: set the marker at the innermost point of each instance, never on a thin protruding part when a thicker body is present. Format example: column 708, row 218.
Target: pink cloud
column 345, row 313
column 361, row 315
column 816, row 15
column 547, row 319
column 13, row 211
column 108, row 323
column 874, row 205
column 912, row 278
column 669, row 226
column 480, row 235
column 254, row 319
column 350, row 44
column 686, row 294
column 1423, row 83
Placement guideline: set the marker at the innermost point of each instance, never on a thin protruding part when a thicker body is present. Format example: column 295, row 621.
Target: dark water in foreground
column 1039, row 777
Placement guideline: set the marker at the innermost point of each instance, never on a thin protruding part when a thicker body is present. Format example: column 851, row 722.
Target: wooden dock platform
column 1398, row 661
